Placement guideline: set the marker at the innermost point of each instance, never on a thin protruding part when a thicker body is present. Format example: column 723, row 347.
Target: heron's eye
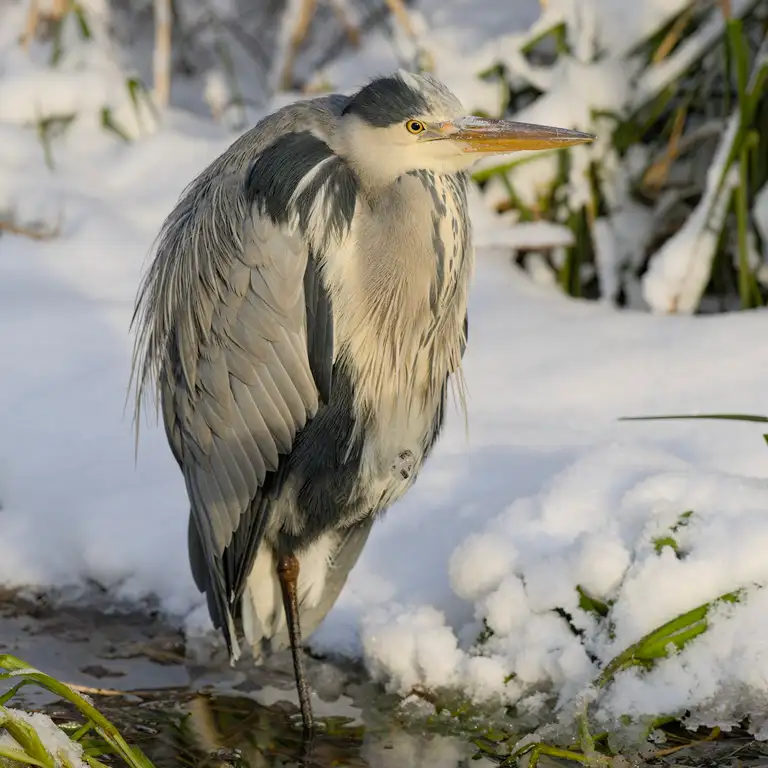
column 414, row 126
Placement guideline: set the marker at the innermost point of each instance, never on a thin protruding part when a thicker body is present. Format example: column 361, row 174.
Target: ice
column 549, row 492
column 404, row 749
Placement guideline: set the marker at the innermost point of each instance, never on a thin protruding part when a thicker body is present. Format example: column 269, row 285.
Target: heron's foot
column 404, row 464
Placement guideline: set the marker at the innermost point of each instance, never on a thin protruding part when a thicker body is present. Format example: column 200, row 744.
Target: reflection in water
column 239, row 732
column 180, row 729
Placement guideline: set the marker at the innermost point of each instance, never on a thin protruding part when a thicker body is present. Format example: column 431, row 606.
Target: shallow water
column 218, row 730
column 139, row 674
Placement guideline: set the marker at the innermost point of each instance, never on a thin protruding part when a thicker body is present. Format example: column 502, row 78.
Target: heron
column 300, row 325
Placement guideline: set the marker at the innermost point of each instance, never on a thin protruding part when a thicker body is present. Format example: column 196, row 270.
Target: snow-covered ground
column 547, row 491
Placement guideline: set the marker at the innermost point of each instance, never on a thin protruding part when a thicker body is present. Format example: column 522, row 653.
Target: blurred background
column 667, row 211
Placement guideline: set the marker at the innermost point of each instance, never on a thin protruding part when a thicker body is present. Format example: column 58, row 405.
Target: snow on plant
column 68, row 69
column 34, row 739
column 658, row 83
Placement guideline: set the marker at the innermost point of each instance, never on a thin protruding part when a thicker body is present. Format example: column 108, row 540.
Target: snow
column 679, row 272
column 549, row 492
column 552, row 492
column 525, row 234
column 54, row 741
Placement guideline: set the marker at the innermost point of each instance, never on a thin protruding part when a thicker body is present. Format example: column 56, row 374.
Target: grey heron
column 300, row 322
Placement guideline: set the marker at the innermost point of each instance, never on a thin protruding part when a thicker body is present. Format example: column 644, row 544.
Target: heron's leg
column 288, row 573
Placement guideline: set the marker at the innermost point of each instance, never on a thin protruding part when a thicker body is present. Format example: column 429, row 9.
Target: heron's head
column 409, row 122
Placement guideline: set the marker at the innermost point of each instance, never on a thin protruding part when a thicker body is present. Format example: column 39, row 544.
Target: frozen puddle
column 183, row 715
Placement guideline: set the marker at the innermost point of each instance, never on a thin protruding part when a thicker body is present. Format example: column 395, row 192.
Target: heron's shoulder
column 289, row 142
column 313, row 116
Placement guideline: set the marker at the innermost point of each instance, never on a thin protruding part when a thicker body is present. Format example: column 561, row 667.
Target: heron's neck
column 400, row 287
column 376, row 166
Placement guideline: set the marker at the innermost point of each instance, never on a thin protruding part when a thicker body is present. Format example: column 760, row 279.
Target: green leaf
column 655, row 645
column 592, row 604
column 82, row 21
column 665, row 541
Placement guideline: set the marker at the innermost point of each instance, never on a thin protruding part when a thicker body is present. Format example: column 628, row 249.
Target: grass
column 700, row 69
column 508, row 749
column 94, row 737
column 596, row 750
column 505, row 741
column 665, row 640
column 191, row 735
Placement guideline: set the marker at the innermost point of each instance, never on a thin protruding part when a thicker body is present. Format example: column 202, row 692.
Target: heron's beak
column 478, row 134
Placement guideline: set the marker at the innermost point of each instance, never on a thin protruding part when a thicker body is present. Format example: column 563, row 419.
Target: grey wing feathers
column 319, row 328
column 253, row 389
column 222, row 328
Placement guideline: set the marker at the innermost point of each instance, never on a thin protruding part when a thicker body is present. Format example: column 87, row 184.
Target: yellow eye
column 415, row 127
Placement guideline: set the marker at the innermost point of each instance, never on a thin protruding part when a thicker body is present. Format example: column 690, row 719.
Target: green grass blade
column 592, row 604
column 8, row 695
column 747, row 289
column 716, row 416
column 17, row 756
column 655, row 644
column 26, row 736
column 133, row 757
column 738, row 49
column 747, row 108
column 81, row 731
column 93, row 762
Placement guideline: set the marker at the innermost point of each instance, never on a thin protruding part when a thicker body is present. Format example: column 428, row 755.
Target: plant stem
column 745, row 276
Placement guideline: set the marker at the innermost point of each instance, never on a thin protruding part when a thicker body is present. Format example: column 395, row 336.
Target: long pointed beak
column 478, row 134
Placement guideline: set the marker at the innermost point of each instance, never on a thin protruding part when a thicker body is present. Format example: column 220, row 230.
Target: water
column 213, row 730
column 137, row 671
column 139, row 674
